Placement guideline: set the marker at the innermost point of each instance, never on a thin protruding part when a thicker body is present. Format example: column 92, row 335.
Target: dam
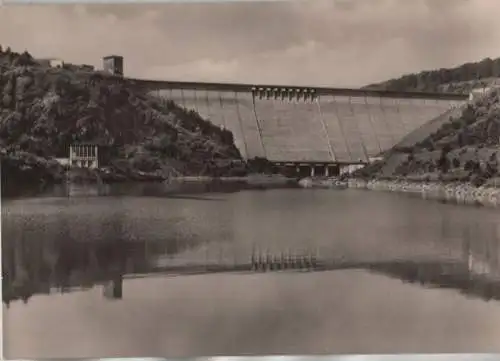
column 309, row 125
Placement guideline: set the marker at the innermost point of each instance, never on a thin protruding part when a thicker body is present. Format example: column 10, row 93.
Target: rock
column 459, row 193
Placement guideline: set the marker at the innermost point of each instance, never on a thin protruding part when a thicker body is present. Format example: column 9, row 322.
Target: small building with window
column 84, row 155
column 113, row 64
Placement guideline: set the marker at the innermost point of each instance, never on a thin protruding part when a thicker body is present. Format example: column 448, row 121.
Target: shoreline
column 172, row 185
column 458, row 193
column 454, row 193
column 80, row 176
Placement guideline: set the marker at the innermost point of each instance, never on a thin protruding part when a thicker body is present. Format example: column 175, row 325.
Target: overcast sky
column 305, row 42
column 407, row 357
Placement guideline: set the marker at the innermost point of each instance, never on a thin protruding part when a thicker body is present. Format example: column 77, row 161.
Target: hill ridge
column 44, row 109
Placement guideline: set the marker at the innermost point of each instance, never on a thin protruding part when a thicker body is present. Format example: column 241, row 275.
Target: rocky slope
column 43, row 110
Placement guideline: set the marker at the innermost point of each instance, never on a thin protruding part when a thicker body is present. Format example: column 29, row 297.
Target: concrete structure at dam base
column 303, row 169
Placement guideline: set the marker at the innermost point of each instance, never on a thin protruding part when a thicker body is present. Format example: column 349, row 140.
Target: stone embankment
column 458, row 193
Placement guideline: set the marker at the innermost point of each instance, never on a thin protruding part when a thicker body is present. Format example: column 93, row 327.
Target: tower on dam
column 113, row 64
column 113, row 289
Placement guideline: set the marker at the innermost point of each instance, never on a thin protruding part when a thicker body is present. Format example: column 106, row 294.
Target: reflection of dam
column 309, row 125
column 45, row 268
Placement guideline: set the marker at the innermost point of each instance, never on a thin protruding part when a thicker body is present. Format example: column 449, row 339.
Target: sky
column 407, row 357
column 340, row 43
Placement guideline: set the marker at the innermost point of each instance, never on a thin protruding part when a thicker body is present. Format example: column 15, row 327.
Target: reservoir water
column 423, row 276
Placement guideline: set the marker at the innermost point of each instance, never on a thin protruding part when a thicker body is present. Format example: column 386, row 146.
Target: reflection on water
column 68, row 266
column 191, row 189
column 129, row 249
column 80, row 251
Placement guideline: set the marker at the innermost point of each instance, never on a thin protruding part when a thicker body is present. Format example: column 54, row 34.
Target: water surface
column 84, row 277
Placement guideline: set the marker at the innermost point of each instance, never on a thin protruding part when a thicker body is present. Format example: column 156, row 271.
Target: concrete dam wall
column 330, row 128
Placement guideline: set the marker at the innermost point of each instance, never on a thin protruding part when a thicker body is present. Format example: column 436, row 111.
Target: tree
column 25, row 59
